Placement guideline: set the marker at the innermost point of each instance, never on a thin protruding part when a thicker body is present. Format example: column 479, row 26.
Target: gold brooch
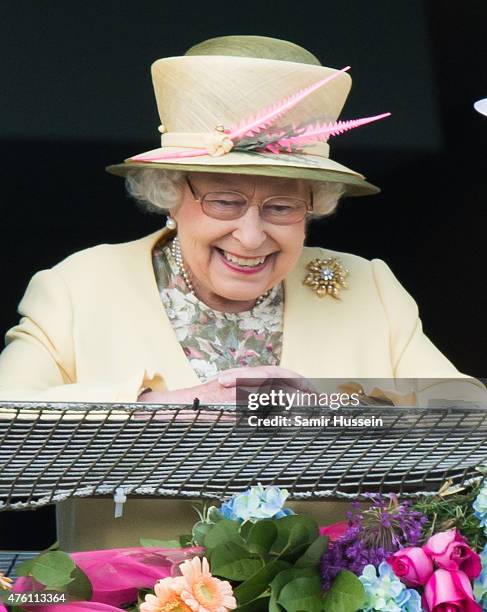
column 326, row 276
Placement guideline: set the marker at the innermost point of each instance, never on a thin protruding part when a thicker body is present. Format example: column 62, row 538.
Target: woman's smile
column 243, row 264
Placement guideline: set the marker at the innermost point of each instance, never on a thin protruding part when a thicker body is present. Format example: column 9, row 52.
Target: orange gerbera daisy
column 167, row 597
column 202, row 592
column 5, row 582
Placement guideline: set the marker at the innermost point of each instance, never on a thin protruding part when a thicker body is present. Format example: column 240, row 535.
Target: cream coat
column 93, row 329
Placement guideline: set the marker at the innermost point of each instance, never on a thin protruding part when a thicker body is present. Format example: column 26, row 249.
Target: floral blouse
column 212, row 340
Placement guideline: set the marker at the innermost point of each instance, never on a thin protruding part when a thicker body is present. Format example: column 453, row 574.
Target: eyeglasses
column 230, row 205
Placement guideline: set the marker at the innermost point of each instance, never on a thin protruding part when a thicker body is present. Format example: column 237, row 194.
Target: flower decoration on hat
column 326, row 276
column 259, row 134
column 218, row 143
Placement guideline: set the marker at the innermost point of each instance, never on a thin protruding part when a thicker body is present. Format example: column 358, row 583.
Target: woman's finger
column 228, row 378
column 253, row 377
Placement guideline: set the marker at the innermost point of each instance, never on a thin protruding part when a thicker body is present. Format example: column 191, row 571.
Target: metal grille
column 51, row 452
column 9, row 559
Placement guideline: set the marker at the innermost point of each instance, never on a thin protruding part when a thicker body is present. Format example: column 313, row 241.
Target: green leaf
column 25, row 568
column 284, row 578
column 53, row 569
column 297, row 543
column 305, row 530
column 60, row 588
column 214, row 515
column 259, row 582
column 200, row 531
column 273, row 605
column 223, row 531
column 303, row 593
column 346, row 594
column 149, row 542
column 245, row 529
column 80, row 589
column 53, row 546
column 185, row 540
column 229, row 560
column 261, row 604
column 312, row 555
column 261, row 536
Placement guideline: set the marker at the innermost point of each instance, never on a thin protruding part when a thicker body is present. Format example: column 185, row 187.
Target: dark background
column 76, row 95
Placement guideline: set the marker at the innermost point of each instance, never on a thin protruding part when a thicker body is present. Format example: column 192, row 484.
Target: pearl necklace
column 178, row 257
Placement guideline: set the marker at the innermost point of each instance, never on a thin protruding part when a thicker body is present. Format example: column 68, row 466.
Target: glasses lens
column 284, row 211
column 223, row 205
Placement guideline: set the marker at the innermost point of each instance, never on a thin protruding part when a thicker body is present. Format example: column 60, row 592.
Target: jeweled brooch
column 326, row 277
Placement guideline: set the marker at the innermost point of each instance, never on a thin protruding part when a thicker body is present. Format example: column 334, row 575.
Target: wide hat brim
column 224, row 81
column 354, row 184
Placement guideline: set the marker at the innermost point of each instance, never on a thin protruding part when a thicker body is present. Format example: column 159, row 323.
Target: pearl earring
column 171, row 223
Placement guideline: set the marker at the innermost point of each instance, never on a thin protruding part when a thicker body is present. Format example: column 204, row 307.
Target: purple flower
column 372, row 536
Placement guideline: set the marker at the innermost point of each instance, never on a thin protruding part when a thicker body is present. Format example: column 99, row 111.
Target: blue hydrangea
column 480, row 507
column 256, row 503
column 385, row 592
column 480, row 583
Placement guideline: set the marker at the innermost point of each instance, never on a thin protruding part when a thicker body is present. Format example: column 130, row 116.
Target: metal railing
column 50, row 452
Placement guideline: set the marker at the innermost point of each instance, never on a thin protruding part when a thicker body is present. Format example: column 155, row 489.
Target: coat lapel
column 166, row 359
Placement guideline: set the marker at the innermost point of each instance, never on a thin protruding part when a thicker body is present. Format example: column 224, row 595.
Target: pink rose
column 450, row 551
column 335, row 531
column 412, row 565
column 449, row 591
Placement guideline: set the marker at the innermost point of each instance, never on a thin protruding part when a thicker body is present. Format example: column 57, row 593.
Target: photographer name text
column 298, row 420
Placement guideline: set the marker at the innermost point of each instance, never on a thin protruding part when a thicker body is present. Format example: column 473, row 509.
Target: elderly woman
column 226, row 289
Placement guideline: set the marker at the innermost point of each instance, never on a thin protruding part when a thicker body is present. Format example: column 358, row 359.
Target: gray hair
column 159, row 190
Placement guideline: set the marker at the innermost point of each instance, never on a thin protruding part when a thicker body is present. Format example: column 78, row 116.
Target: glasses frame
column 308, row 211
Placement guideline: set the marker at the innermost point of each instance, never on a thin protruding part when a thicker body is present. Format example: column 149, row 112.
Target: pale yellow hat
column 221, row 84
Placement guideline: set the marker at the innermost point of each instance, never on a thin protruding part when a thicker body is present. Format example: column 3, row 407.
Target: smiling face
column 233, row 262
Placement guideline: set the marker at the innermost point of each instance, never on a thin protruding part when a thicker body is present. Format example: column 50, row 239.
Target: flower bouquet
column 252, row 554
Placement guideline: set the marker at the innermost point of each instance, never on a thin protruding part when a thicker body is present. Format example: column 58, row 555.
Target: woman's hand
column 222, row 388
column 211, row 392
column 255, row 376
column 207, row 393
